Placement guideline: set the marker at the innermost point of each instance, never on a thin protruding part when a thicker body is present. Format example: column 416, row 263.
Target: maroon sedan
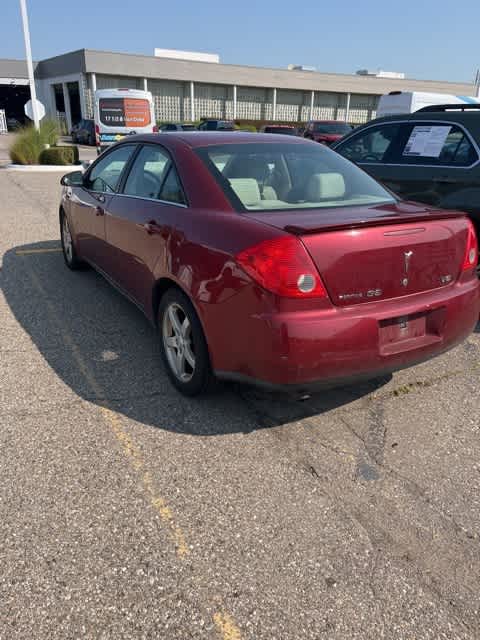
column 326, row 131
column 270, row 261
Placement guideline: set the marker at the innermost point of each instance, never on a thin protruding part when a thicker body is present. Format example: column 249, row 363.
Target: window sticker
column 426, row 141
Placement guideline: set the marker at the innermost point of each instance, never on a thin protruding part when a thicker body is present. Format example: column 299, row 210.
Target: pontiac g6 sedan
column 270, row 261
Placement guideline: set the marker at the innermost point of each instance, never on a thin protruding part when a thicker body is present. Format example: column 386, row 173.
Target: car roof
column 329, row 121
column 470, row 118
column 195, row 139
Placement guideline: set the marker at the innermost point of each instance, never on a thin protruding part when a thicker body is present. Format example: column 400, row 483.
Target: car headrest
column 247, row 190
column 325, row 186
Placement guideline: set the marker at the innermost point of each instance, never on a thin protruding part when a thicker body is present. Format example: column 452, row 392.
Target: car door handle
column 99, row 211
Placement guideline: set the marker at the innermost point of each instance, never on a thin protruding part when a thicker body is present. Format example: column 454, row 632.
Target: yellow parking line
column 226, row 627
column 129, row 448
column 27, row 252
column 224, row 622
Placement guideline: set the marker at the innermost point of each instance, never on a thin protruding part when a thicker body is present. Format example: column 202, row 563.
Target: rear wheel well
column 160, row 289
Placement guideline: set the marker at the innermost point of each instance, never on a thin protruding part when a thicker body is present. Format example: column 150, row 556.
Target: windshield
column 332, row 127
column 285, row 130
column 270, row 176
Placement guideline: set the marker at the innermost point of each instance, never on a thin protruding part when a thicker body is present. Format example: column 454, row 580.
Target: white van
column 122, row 112
column 397, row 102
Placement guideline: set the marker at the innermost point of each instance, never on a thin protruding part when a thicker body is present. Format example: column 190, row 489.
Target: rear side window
column 437, row 144
column 147, row 173
column 172, row 190
column 372, row 145
column 153, row 176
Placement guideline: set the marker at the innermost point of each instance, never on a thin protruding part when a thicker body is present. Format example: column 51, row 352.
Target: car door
column 437, row 165
column 434, row 162
column 372, row 149
column 89, row 203
column 141, row 219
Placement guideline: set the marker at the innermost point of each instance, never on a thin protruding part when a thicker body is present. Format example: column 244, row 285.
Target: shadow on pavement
column 59, row 308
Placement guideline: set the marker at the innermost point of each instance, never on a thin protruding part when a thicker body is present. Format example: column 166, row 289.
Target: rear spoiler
column 408, row 218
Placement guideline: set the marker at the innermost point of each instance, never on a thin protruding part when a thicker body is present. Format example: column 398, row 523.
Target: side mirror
column 73, row 179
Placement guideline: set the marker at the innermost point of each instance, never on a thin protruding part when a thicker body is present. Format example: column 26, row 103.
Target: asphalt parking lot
column 128, row 511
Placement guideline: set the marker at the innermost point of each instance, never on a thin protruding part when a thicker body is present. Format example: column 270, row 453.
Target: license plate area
column 411, row 331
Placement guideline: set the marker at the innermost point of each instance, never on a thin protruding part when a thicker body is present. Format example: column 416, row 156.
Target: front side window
column 105, row 174
column 269, row 177
column 371, row 145
column 147, row 173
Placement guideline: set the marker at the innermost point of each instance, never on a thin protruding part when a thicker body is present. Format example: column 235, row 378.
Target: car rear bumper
column 312, row 349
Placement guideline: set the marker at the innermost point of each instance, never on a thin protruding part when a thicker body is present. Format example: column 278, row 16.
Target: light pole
column 28, row 52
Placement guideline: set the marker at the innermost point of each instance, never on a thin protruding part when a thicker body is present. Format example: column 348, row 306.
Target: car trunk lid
column 381, row 252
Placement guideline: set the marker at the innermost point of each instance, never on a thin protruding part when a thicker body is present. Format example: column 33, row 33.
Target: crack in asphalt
column 433, row 559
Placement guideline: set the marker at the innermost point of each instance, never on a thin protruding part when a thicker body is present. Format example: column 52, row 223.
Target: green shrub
column 30, row 142
column 49, row 131
column 59, row 155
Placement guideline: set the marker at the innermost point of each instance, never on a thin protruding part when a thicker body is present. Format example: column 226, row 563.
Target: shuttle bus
column 122, row 112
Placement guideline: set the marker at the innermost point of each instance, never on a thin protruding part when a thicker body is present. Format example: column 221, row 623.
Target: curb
column 42, row 167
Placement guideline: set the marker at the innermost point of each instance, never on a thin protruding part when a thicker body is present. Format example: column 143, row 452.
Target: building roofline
column 104, row 62
column 260, row 68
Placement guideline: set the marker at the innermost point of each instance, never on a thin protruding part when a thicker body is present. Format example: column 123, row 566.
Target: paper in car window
column 426, row 141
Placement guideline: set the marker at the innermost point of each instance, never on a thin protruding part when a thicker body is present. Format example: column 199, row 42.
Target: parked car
column 177, row 126
column 326, row 131
column 430, row 156
column 269, row 260
column 286, row 129
column 84, row 132
column 216, row 125
column 13, row 124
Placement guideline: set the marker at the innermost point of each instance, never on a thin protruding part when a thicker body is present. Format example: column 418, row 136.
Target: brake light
column 471, row 254
column 155, row 128
column 97, row 134
column 283, row 266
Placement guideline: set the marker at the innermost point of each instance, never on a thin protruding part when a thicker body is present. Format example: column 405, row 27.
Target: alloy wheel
column 67, row 240
column 178, row 342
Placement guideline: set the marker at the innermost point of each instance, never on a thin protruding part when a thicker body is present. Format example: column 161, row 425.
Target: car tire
column 183, row 345
column 69, row 254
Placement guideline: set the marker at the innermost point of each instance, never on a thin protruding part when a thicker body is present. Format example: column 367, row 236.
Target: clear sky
column 424, row 38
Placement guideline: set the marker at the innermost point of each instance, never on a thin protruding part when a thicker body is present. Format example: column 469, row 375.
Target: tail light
column 471, row 254
column 97, row 134
column 155, row 128
column 283, row 266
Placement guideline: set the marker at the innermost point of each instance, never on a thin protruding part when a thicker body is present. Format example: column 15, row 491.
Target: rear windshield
column 285, row 130
column 333, row 127
column 124, row 112
column 271, row 177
